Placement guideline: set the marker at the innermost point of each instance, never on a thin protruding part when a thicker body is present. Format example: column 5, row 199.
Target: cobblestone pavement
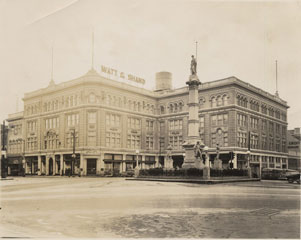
column 56, row 207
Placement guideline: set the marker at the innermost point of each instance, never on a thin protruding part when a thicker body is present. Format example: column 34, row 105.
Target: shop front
column 15, row 166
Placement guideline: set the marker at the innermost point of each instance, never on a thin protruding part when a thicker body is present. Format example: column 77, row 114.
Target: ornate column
column 235, row 161
column 143, row 162
column 39, row 165
column 83, row 165
column 47, row 166
column 123, row 163
column 193, row 137
column 157, row 161
column 54, row 165
column 61, row 164
column 260, row 166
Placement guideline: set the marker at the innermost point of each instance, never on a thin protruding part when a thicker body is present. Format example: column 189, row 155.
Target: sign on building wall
column 121, row 75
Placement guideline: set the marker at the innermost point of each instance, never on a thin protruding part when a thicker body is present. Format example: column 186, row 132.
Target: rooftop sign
column 114, row 72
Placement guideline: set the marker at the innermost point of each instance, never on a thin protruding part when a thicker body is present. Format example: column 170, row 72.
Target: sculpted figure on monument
column 169, row 149
column 197, row 150
column 193, row 65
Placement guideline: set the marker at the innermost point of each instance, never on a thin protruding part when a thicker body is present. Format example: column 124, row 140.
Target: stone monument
column 168, row 162
column 193, row 138
column 217, row 163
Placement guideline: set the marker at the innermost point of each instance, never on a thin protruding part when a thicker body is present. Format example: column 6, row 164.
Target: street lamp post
column 3, row 153
column 23, row 157
column 206, row 170
column 137, row 169
column 248, row 164
column 137, row 160
column 73, row 152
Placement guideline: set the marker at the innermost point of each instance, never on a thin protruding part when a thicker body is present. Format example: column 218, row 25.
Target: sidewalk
column 213, row 180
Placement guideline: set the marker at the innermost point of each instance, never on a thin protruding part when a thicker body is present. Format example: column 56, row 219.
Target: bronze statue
column 193, row 65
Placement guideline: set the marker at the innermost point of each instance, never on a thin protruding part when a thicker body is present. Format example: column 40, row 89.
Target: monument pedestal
column 136, row 172
column 206, row 173
column 168, row 164
column 218, row 164
column 249, row 172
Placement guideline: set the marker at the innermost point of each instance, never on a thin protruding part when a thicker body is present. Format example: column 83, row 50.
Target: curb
column 194, row 180
column 6, row 179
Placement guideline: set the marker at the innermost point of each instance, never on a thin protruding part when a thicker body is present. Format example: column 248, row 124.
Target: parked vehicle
column 294, row 178
column 277, row 173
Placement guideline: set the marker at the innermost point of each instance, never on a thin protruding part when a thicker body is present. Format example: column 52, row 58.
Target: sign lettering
column 114, row 72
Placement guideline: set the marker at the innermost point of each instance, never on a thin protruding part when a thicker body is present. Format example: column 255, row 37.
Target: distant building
column 113, row 123
column 3, row 146
column 294, row 148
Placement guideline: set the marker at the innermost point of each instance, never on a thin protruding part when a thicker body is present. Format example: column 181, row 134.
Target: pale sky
column 142, row 37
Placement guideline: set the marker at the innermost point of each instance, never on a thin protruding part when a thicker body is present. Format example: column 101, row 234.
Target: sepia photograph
column 150, row 119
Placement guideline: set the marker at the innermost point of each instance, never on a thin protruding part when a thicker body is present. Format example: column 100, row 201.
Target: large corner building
column 104, row 126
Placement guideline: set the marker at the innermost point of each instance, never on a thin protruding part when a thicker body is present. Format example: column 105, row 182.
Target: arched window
column 109, row 100
column 71, row 101
column 201, row 102
column 92, row 98
column 170, row 108
column 213, row 102
column 181, row 106
column 245, row 102
column 67, row 102
column 130, row 104
column 225, row 100
column 152, row 109
column 139, row 106
column 219, row 101
column 175, row 107
column 162, row 110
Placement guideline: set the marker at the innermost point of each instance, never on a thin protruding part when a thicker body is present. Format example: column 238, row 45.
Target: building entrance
column 178, row 161
column 255, row 168
column 91, row 166
column 50, row 166
column 116, row 169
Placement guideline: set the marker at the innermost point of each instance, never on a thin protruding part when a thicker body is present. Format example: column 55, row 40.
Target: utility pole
column 73, row 153
column 3, row 153
column 277, row 94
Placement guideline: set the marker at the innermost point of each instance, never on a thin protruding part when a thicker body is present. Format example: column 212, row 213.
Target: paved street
column 113, row 207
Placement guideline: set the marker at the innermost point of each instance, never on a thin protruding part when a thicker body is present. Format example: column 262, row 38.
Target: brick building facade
column 113, row 124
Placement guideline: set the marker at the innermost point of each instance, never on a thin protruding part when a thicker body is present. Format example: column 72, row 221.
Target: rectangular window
column 133, row 141
column 271, row 127
column 213, row 120
column 219, row 120
column 162, row 143
column 242, row 139
column 264, row 142
column 72, row 119
column 149, row 125
column 92, row 117
column 176, row 142
column 149, row 142
column 134, row 123
column 271, row 146
column 175, row 124
column 264, row 125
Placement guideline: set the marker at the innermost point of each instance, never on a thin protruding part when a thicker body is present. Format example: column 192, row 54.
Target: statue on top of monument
column 193, row 65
